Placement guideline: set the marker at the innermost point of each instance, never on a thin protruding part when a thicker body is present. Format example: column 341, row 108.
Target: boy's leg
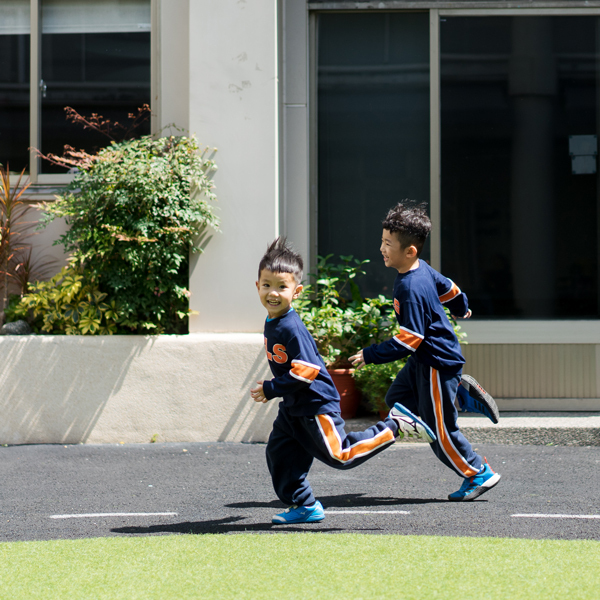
column 437, row 391
column 289, row 463
column 436, row 398
column 325, row 438
column 404, row 388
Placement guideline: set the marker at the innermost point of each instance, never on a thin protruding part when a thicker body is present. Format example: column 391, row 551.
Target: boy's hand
column 257, row 393
column 467, row 316
column 357, row 360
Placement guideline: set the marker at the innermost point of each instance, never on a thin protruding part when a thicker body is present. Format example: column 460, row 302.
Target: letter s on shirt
column 279, row 353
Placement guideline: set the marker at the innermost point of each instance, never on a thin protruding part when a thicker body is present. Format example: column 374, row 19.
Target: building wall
column 234, row 107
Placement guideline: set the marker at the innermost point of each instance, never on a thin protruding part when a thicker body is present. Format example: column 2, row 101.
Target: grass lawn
column 307, row 565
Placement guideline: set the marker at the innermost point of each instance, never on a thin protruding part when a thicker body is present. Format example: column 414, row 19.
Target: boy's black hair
column 410, row 222
column 280, row 258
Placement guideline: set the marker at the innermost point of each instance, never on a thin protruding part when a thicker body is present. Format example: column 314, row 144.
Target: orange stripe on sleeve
column 454, row 291
column 334, row 445
column 409, row 339
column 304, row 371
column 461, row 465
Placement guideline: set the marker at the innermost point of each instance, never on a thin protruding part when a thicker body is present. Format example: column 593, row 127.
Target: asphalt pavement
column 61, row 492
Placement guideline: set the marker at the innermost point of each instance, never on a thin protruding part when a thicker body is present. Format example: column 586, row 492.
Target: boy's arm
column 304, row 368
column 404, row 343
column 451, row 296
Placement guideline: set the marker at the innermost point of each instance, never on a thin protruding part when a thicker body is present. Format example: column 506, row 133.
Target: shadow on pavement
column 345, row 501
column 226, row 525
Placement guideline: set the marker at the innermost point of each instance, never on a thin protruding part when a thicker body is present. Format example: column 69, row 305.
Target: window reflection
column 373, row 120
column 14, row 101
column 105, row 73
column 519, row 206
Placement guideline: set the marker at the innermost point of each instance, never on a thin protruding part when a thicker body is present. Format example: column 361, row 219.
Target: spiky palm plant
column 14, row 229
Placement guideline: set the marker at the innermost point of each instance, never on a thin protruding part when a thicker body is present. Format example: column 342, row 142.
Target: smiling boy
column 427, row 385
column 308, row 424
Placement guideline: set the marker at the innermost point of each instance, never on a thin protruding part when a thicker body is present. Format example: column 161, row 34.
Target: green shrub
column 340, row 320
column 373, row 381
column 134, row 211
column 69, row 303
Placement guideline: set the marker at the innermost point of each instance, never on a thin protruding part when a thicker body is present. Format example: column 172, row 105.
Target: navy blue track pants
column 296, row 441
column 430, row 394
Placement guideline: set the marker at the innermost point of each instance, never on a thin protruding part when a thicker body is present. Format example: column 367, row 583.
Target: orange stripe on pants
column 445, row 442
column 332, row 440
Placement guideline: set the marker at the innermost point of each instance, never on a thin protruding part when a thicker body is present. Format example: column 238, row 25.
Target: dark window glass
column 373, row 130
column 14, row 101
column 104, row 73
column 519, row 106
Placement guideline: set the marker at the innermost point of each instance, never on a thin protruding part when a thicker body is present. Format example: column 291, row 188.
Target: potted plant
column 341, row 321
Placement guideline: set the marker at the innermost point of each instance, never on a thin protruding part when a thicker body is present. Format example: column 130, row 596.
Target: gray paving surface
column 225, row 488
column 531, row 428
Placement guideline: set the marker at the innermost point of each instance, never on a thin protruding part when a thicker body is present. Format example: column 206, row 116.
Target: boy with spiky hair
column 428, row 383
column 308, row 424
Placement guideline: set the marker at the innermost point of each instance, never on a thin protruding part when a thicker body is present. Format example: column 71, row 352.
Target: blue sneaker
column 300, row 514
column 473, row 398
column 473, row 487
column 409, row 425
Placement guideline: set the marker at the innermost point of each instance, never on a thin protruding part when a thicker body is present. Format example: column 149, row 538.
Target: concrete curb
column 514, row 428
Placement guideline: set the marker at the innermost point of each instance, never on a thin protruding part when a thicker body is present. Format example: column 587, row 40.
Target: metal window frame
column 520, row 329
column 35, row 69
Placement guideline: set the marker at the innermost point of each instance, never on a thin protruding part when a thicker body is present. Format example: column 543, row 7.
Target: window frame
column 35, row 83
column 517, row 330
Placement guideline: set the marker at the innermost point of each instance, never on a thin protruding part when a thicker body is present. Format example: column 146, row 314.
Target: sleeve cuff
column 268, row 390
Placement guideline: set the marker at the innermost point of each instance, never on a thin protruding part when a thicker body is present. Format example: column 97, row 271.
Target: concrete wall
column 234, row 106
column 71, row 389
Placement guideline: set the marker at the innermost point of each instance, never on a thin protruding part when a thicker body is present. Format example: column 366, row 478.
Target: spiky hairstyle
column 281, row 258
column 409, row 221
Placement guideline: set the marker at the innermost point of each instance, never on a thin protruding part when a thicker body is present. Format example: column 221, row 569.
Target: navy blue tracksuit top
column 425, row 331
column 300, row 376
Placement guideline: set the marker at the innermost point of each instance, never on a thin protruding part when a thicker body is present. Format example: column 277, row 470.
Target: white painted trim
column 531, row 332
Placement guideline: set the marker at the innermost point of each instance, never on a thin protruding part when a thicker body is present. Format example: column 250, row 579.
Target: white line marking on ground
column 95, row 515
column 367, row 512
column 542, row 516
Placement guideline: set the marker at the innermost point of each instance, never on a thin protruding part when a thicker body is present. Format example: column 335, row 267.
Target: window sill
column 532, row 332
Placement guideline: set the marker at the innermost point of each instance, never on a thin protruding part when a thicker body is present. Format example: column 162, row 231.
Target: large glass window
column 95, row 59
column 373, row 129
column 14, row 84
column 519, row 127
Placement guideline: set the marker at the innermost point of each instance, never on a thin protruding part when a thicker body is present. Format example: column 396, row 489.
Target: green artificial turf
column 306, row 565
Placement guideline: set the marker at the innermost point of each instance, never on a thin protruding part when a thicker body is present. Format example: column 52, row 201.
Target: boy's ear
column 258, row 286
column 411, row 251
column 299, row 289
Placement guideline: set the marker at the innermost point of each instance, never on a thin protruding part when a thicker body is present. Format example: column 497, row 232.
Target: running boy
column 427, row 385
column 308, row 424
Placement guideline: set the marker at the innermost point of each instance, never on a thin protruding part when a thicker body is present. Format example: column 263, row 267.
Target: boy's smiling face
column 401, row 259
column 276, row 291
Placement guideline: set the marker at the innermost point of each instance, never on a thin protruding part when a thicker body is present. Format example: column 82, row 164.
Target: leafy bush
column 134, row 211
column 373, row 381
column 340, row 320
column 69, row 303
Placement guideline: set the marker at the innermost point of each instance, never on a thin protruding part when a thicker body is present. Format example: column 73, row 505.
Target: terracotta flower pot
column 349, row 395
